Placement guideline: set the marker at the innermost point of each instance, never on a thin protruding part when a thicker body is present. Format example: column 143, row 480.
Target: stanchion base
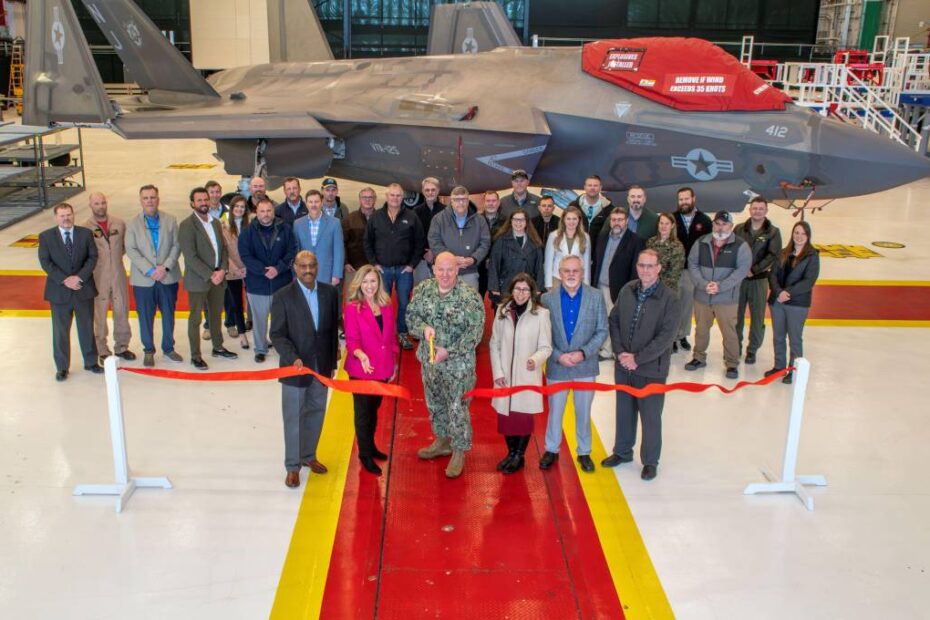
column 123, row 491
column 796, row 486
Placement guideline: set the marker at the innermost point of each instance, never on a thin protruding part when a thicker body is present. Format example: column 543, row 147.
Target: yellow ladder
column 16, row 74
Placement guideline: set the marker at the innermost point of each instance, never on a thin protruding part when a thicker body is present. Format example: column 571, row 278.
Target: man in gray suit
column 643, row 326
column 579, row 328
column 153, row 251
column 205, row 263
column 321, row 234
column 68, row 255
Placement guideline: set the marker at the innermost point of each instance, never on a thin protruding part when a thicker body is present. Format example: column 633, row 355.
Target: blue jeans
column 395, row 277
column 161, row 297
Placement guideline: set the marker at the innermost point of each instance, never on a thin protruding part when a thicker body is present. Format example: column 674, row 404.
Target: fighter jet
column 659, row 112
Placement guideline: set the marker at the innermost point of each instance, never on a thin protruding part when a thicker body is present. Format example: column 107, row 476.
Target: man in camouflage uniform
column 451, row 314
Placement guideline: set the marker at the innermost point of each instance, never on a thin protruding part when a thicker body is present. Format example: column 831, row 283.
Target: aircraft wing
column 218, row 124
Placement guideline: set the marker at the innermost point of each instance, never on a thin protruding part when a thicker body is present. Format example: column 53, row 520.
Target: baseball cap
column 723, row 216
column 519, row 173
column 329, row 182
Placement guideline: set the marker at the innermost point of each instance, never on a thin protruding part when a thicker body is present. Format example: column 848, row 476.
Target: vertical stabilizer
column 61, row 81
column 153, row 63
column 469, row 28
column 295, row 33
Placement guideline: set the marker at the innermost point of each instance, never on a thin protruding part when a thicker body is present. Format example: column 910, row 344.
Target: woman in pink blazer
column 372, row 352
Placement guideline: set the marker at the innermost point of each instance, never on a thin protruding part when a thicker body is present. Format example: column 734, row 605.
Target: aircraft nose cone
column 854, row 161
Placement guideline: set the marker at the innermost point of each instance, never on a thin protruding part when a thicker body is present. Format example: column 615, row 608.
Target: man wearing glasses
column 643, row 325
column 463, row 232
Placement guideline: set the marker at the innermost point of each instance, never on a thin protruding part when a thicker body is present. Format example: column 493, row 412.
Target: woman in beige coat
column 521, row 342
column 237, row 220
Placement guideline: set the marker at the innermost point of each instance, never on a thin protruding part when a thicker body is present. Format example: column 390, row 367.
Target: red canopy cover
column 682, row 73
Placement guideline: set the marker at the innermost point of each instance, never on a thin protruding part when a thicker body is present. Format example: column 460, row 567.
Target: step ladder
column 17, row 67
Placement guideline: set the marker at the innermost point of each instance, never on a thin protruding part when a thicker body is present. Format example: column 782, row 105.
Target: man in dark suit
column 643, row 326
column 68, row 255
column 615, row 253
column 304, row 327
column 205, row 263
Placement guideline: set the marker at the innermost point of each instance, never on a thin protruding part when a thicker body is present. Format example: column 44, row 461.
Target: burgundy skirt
column 515, row 424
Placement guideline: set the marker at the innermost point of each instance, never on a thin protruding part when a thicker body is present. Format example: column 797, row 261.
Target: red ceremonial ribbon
column 372, row 388
column 650, row 390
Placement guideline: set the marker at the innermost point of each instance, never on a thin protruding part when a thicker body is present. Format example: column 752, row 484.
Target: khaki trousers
column 121, row 330
column 704, row 316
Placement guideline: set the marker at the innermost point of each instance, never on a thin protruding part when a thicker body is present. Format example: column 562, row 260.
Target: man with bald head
column 447, row 316
column 110, row 278
column 256, row 193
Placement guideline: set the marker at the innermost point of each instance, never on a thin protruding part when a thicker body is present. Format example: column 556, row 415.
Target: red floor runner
column 413, row 544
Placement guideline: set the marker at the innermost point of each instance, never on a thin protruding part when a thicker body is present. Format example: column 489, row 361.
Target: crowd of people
column 600, row 282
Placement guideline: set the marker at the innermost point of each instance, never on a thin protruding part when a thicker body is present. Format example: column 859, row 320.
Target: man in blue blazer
column 321, row 234
column 579, row 328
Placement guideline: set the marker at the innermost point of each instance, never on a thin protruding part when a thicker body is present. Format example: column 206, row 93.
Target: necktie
column 69, row 245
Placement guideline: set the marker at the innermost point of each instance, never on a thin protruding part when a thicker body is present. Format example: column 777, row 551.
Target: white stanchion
column 125, row 485
column 789, row 481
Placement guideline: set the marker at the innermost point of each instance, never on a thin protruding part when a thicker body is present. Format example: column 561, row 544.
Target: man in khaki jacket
column 110, row 278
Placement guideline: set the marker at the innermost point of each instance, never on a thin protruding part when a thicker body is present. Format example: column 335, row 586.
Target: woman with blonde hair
column 372, row 353
column 569, row 239
column 521, row 342
column 236, row 220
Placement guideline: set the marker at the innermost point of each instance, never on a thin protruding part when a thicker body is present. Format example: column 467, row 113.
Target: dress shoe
column 615, row 459
column 97, row 369
column 127, row 355
column 378, row 455
column 244, row 342
column 548, row 458
column 649, row 472
column 772, row 371
column 206, row 334
column 440, row 447
column 587, row 465
column 198, row 363
column 102, row 358
column 695, row 364
column 225, row 353
column 232, row 331
column 292, row 479
column 456, row 464
column 173, row 356
column 684, row 344
column 787, row 378
column 248, row 326
column 316, row 466
column 61, row 375
column 259, row 358
column 405, row 343
column 750, row 357
column 370, row 466
column 148, row 360
column 504, row 462
column 732, row 373
column 674, row 347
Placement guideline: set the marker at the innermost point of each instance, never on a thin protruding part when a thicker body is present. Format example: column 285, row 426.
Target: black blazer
column 54, row 260
column 623, row 266
column 799, row 281
column 294, row 336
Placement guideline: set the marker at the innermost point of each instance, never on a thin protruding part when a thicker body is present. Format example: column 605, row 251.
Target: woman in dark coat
column 791, row 281
column 517, row 248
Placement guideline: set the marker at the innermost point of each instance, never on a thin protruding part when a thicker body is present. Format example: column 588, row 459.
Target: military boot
column 456, row 464
column 439, row 447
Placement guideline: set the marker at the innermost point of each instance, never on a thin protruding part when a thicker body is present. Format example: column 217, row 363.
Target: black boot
column 511, row 451
column 517, row 462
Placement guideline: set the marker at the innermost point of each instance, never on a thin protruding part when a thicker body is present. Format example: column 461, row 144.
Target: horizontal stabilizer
column 215, row 123
column 61, row 82
column 295, row 33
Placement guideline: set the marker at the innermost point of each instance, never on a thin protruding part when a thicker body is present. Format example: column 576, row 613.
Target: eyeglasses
column 521, row 289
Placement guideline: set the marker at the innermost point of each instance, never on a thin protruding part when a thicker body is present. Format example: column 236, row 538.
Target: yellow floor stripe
column 303, row 578
column 634, row 576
